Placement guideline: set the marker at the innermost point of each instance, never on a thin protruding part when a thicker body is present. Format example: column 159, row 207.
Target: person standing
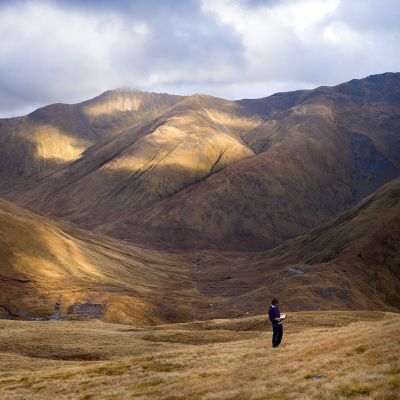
column 276, row 319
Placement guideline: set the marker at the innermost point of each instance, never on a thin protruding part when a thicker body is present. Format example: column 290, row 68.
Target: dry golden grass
column 355, row 354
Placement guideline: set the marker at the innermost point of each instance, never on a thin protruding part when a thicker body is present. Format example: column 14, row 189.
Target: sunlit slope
column 333, row 355
column 44, row 263
column 56, row 135
column 195, row 139
column 314, row 160
column 116, row 110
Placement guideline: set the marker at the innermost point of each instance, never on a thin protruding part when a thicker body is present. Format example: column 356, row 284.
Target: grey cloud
column 69, row 50
column 370, row 15
column 178, row 37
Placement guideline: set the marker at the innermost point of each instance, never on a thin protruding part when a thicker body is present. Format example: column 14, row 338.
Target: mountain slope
column 54, row 136
column 51, row 268
column 209, row 173
column 47, row 268
column 139, row 167
column 202, row 172
column 317, row 159
column 352, row 262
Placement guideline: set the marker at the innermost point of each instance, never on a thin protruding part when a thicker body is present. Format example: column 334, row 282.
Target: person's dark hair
column 275, row 301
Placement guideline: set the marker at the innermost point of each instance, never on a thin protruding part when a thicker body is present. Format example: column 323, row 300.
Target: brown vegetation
column 329, row 356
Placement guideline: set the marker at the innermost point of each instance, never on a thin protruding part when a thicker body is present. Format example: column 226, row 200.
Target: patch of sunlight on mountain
column 112, row 104
column 172, row 146
column 229, row 123
column 54, row 144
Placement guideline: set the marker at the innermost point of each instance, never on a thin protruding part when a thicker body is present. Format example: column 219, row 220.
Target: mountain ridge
column 208, row 172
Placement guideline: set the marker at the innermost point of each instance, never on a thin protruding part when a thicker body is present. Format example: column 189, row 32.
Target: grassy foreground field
column 332, row 355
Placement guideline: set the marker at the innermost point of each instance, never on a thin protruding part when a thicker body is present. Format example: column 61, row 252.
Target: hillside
column 54, row 136
column 51, row 269
column 144, row 164
column 352, row 262
column 48, row 267
column 208, row 181
column 313, row 161
column 245, row 175
column 333, row 355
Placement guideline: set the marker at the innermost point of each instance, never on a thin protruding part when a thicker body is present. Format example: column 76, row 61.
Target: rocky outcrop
column 88, row 310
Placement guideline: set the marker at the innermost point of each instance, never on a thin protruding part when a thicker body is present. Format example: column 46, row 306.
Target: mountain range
column 153, row 207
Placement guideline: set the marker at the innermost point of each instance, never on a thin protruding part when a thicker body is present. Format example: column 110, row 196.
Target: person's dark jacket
column 273, row 313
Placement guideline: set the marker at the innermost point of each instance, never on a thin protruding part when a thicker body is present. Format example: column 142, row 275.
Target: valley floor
column 330, row 355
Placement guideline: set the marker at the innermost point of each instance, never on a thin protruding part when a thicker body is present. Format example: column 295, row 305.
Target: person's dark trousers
column 277, row 332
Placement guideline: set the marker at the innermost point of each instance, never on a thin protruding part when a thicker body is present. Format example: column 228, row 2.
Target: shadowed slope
column 350, row 263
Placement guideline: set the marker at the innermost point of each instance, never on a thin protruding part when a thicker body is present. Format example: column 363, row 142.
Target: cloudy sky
column 71, row 50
